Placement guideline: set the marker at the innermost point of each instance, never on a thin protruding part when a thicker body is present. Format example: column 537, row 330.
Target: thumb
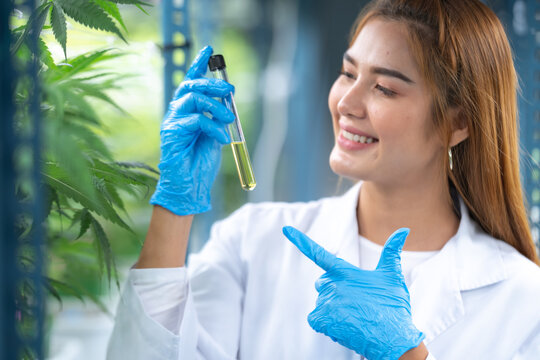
column 391, row 254
column 200, row 63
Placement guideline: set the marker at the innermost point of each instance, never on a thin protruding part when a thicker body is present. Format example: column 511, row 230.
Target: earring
column 450, row 159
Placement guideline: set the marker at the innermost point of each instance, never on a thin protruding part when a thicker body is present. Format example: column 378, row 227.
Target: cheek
column 396, row 123
column 333, row 99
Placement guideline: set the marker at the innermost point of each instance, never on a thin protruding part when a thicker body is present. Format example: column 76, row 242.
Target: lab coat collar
column 469, row 260
column 480, row 261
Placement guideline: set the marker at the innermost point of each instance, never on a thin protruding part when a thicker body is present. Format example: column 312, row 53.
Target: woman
column 424, row 114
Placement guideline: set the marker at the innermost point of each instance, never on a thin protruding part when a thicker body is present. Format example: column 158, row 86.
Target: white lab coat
column 250, row 291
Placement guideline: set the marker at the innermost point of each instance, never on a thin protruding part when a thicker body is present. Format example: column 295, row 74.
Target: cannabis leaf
column 89, row 14
column 58, row 24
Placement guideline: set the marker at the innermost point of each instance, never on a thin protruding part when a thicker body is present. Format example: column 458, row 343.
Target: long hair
column 464, row 56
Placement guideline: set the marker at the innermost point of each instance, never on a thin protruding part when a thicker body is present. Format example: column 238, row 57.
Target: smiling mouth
column 361, row 139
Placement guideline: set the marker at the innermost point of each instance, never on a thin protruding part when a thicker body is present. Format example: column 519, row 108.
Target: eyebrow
column 381, row 70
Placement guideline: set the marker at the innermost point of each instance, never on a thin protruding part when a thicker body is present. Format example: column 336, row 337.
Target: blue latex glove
column 366, row 311
column 192, row 134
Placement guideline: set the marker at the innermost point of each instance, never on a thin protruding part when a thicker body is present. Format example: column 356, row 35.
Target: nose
column 352, row 103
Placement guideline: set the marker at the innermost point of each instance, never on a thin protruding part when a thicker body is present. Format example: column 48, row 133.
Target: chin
column 344, row 166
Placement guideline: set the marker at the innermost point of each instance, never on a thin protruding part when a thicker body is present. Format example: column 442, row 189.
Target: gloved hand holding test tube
column 217, row 66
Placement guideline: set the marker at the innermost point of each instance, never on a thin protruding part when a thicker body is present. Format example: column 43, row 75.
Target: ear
column 460, row 130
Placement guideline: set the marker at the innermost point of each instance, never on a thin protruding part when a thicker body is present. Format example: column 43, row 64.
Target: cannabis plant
column 84, row 185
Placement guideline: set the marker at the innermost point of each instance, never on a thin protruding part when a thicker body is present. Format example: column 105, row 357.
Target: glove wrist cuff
column 180, row 204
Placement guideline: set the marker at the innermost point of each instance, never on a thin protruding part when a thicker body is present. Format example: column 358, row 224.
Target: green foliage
column 96, row 14
column 112, row 9
column 84, row 186
column 90, row 14
column 58, row 24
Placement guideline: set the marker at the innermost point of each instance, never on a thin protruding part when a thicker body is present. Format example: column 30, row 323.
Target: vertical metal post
column 22, row 326
column 176, row 44
column 524, row 31
column 7, row 190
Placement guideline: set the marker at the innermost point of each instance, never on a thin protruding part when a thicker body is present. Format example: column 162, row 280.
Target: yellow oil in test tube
column 216, row 63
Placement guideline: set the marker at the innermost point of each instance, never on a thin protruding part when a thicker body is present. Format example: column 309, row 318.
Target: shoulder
column 521, row 281
column 484, row 260
column 500, row 279
column 521, row 271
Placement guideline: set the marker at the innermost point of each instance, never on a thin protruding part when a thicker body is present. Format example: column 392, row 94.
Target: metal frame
column 530, row 112
column 176, row 43
column 12, row 143
column 523, row 27
column 7, row 190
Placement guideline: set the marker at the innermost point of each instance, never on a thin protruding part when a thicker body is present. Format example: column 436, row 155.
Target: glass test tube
column 216, row 63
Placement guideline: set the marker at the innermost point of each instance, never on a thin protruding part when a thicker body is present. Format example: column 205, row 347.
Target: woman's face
column 381, row 111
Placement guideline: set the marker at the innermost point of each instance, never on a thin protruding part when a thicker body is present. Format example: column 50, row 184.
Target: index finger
column 199, row 65
column 311, row 249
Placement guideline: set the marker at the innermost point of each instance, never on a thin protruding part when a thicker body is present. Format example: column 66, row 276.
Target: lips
column 353, row 139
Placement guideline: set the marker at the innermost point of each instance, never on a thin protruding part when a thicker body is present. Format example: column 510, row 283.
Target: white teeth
column 357, row 138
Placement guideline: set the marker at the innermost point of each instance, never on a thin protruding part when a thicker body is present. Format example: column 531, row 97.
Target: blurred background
column 282, row 56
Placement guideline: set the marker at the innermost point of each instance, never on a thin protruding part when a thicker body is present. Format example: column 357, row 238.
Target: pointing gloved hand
column 192, row 134
column 366, row 311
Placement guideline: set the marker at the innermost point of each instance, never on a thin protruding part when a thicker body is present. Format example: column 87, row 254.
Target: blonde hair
column 464, row 56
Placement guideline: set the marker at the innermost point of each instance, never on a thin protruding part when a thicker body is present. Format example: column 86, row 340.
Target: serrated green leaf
column 69, row 190
column 45, row 54
column 89, row 14
column 58, row 24
column 114, row 197
column 104, row 249
column 109, row 191
column 85, row 220
column 58, row 179
column 112, row 9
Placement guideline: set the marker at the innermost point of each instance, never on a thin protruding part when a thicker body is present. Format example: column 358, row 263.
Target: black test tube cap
column 216, row 62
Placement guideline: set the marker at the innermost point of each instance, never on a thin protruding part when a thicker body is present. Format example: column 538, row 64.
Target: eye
column 346, row 74
column 385, row 91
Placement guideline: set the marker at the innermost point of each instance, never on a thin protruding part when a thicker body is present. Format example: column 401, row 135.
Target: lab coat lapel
column 337, row 231
column 469, row 260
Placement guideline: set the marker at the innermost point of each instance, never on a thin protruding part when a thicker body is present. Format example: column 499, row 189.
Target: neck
column 423, row 208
